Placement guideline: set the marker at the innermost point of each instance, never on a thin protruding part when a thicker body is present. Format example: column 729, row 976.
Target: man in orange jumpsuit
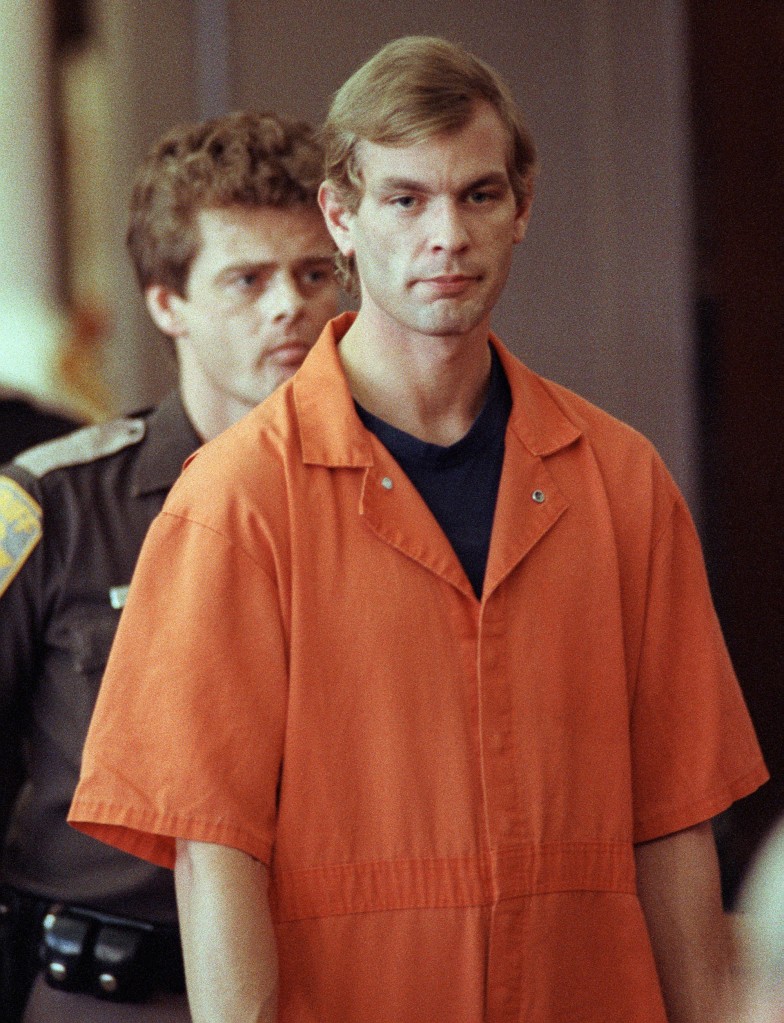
column 430, row 709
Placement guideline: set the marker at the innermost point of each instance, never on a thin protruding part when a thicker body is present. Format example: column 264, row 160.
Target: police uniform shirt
column 73, row 515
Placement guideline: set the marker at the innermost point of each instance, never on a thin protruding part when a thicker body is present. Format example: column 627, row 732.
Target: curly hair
column 246, row 158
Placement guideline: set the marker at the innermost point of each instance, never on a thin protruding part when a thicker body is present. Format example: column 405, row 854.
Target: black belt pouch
column 80, row 952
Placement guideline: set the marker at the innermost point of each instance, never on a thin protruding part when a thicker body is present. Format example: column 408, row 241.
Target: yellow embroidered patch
column 20, row 529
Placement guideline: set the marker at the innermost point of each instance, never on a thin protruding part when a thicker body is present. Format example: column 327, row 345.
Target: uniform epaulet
column 82, row 446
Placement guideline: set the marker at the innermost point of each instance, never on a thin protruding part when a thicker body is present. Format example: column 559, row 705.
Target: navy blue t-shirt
column 459, row 483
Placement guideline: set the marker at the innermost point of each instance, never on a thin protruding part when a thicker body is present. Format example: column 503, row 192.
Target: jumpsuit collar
column 332, row 433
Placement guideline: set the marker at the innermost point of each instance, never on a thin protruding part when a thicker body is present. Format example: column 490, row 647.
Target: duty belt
column 82, row 949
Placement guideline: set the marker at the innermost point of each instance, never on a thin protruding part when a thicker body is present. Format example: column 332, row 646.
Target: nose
column 448, row 231
column 285, row 298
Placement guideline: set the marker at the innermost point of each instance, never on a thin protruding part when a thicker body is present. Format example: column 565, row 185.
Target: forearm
column 679, row 888
column 227, row 934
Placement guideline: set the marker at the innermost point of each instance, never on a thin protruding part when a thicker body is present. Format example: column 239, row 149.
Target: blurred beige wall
column 28, row 285
column 147, row 53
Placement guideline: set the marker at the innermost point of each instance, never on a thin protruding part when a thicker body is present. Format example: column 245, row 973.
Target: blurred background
column 650, row 279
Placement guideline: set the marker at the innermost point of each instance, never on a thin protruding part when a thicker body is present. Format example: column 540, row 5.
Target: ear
column 337, row 217
column 165, row 308
column 524, row 213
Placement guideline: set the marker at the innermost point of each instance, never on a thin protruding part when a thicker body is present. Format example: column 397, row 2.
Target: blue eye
column 405, row 202
column 317, row 275
column 313, row 277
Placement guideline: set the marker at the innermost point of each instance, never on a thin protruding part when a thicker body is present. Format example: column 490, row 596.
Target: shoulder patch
column 20, row 529
column 82, row 446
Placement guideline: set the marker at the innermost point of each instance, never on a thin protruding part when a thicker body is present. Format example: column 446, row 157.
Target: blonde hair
column 415, row 88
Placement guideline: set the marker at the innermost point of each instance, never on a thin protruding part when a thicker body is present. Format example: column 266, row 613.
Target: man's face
column 258, row 294
column 435, row 229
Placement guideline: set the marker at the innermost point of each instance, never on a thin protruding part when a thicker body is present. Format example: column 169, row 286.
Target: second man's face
column 259, row 292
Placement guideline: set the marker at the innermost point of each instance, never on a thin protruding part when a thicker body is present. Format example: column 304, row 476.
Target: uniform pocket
column 90, row 640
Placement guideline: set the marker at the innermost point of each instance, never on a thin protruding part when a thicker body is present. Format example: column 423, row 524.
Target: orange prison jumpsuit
column 447, row 790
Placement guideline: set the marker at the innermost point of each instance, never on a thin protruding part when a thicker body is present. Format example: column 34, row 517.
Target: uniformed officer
column 236, row 267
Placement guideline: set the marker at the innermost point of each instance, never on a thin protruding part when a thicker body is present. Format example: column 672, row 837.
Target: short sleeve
column 186, row 739
column 694, row 750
